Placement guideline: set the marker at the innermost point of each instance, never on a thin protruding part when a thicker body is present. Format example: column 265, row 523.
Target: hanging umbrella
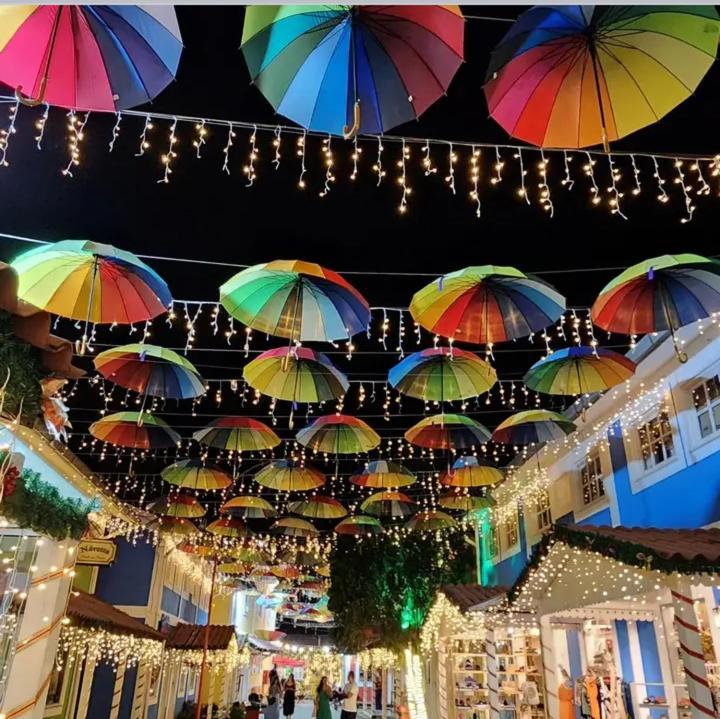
column 358, row 525
column 250, row 554
column 237, row 434
column 177, row 526
column 269, row 635
column 284, row 475
column 193, row 474
column 90, row 281
column 382, row 474
column 660, row 294
column 447, row 431
column 319, row 587
column 235, row 568
column 228, row 527
column 430, row 522
column 344, row 69
column 318, row 507
column 339, row 434
column 294, row 527
column 388, row 504
column 579, row 370
column 471, row 472
column 533, row 426
column 300, row 557
column 151, row 370
column 442, row 374
column 464, row 502
column 298, row 300
column 285, row 571
column 133, row 429
column 486, row 304
column 323, row 570
column 249, row 507
column 90, row 57
column 579, row 75
column 182, row 506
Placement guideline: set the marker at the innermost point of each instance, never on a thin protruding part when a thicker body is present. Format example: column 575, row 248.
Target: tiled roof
column 192, row 636
column 86, row 609
column 466, row 596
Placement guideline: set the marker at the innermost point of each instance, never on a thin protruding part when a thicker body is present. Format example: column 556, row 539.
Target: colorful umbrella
column 250, row 555
column 284, row 475
column 660, row 294
column 579, row 75
column 294, row 527
column 382, row 474
column 318, row 507
column 579, row 370
column 228, row 527
column 388, row 504
column 320, row 65
column 90, row 57
column 193, row 474
column 323, row 570
column 442, row 374
column 151, row 370
column 269, row 635
column 182, row 506
column 135, row 429
column 533, row 426
column 464, row 502
column 486, row 304
column 320, row 587
column 300, row 557
column 298, row 300
column 471, row 472
column 249, row 507
column 237, row 434
column 430, row 521
column 239, row 568
column 285, row 571
column 447, row 431
column 339, row 434
column 90, row 281
column 177, row 527
column 358, row 525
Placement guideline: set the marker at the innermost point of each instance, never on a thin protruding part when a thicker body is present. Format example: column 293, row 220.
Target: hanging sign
column 100, row 552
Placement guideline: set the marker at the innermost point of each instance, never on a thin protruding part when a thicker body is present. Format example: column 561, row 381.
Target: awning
column 192, row 636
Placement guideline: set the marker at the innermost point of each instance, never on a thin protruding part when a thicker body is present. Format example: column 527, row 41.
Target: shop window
column 591, row 478
column 706, row 399
column 511, row 531
column 656, row 441
column 491, row 540
column 544, row 514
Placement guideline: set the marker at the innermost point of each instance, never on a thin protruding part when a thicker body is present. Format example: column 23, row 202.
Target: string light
column 663, row 195
column 168, row 157
column 428, row 166
column 40, row 126
column 115, row 131
column 498, row 167
column 680, row 180
column 704, row 188
column 378, row 166
column 567, row 181
column 402, row 180
column 450, row 177
column 545, row 198
column 300, row 151
column 636, row 176
column 249, row 169
column 357, row 150
column 589, row 170
column 277, row 143
column 199, row 141
column 475, row 179
column 329, row 163
column 144, row 142
column 76, row 128
column 6, row 134
column 226, row 149
column 523, row 172
column 615, row 194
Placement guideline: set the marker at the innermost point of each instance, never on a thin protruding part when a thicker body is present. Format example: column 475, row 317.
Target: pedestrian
column 350, row 694
column 322, row 699
column 272, row 711
column 289, row 696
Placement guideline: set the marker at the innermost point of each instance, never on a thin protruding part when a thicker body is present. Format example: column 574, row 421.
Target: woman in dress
column 322, row 699
column 289, row 696
column 272, row 710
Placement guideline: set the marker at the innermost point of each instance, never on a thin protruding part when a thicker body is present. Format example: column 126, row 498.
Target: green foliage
column 39, row 506
column 382, row 588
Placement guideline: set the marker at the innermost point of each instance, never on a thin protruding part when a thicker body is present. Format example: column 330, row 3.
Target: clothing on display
column 587, row 695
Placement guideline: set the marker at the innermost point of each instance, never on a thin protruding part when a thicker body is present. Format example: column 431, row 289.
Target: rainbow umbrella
column 533, row 426
column 249, row 507
column 284, row 475
column 430, row 521
column 181, row 506
column 447, row 431
column 465, row 502
column 358, row 525
column 486, row 304
column 339, row 434
column 228, row 527
column 318, row 507
column 90, row 281
column 294, row 527
column 579, row 370
column 471, row 472
column 660, row 294
column 193, row 474
column 135, row 429
column 90, row 57
column 298, row 300
column 177, row 526
column 442, row 374
column 384, row 475
column 388, row 504
column 151, row 370
column 579, row 75
column 237, row 434
column 320, row 65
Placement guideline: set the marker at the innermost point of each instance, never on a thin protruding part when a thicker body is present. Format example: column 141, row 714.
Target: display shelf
column 519, row 661
column 472, row 652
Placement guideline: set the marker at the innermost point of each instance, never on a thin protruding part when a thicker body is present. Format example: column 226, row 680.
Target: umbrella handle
column 350, row 132
column 29, row 101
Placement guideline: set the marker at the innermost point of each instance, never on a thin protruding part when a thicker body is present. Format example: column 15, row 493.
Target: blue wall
column 127, row 580
column 599, row 519
column 101, row 691
column 126, row 698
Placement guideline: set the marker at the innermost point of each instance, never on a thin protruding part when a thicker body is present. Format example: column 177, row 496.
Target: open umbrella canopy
column 465, row 502
column 249, row 507
column 580, row 75
column 135, row 429
column 447, row 431
column 341, row 69
column 269, row 635
column 469, row 471
column 194, row 474
column 486, row 304
column 383, row 474
column 294, row 527
column 579, row 370
column 181, row 506
column 388, row 504
column 89, row 57
column 237, row 434
column 442, row 374
column 430, row 521
column 318, row 507
column 228, row 527
column 177, row 526
column 359, row 524
column 285, row 571
column 339, row 434
column 235, row 568
column 298, row 300
column 285, row 475
column 533, row 426
column 151, row 370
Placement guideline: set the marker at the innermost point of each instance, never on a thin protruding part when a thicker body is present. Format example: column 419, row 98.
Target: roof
column 467, row 596
column 89, row 610
column 192, row 636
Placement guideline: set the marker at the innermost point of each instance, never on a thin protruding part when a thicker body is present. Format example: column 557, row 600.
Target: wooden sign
column 100, row 552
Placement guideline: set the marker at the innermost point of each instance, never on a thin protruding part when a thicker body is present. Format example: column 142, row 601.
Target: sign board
column 99, row 552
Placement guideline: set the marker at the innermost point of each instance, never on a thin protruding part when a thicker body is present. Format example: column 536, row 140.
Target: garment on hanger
column 565, row 699
column 587, row 692
column 529, row 694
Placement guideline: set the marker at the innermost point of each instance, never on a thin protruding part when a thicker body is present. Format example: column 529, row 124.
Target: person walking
column 272, row 710
column 350, row 697
column 322, row 700
column 289, row 696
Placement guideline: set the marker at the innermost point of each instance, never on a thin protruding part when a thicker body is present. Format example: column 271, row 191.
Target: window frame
column 511, row 530
column 649, row 440
column 590, row 496
column 491, row 542
column 709, row 405
column 543, row 511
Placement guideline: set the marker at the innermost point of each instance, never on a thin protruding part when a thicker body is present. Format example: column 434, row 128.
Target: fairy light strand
column 6, row 134
column 452, row 159
column 249, row 169
column 199, row 141
column 277, row 144
column 662, row 194
column 300, row 151
column 76, row 129
column 144, row 142
column 115, row 131
column 170, row 154
column 402, row 180
column 226, row 150
column 475, row 180
column 681, row 180
column 567, row 181
column 522, row 191
column 615, row 194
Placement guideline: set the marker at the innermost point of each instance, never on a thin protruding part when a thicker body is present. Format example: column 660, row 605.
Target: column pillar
column 491, row 669
column 140, row 693
column 549, row 662
column 85, row 687
column 118, row 687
